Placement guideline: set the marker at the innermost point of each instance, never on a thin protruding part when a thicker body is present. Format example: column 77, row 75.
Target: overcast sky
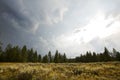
column 70, row 26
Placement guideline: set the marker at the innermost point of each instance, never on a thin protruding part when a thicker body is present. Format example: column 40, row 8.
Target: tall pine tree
column 49, row 57
column 24, row 54
column 45, row 59
column 56, row 57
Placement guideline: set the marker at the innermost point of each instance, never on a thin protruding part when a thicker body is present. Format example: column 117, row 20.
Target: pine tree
column 45, row 59
column 101, row 57
column 106, row 54
column 56, row 57
column 118, row 56
column 77, row 59
column 35, row 58
column 114, row 52
column 94, row 57
column 49, row 57
column 39, row 58
column 0, row 48
column 88, row 57
column 8, row 53
column 59, row 58
column 24, row 54
column 1, row 52
column 64, row 58
column 15, row 54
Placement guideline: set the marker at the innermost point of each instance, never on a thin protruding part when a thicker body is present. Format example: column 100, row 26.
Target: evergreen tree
column 82, row 58
column 39, row 58
column 1, row 52
column 64, row 58
column 31, row 55
column 49, row 57
column 114, row 52
column 24, row 54
column 35, row 58
column 77, row 59
column 15, row 54
column 88, row 57
column 18, row 54
column 118, row 56
column 101, row 57
column 56, row 57
column 106, row 55
column 8, row 53
column 45, row 59
column 0, row 48
column 94, row 57
column 59, row 58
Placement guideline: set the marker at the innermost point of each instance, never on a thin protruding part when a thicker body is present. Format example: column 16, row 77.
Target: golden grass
column 60, row 71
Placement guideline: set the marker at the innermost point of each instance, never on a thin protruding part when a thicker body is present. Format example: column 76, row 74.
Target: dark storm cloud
column 28, row 15
column 9, row 11
column 14, row 12
column 14, row 23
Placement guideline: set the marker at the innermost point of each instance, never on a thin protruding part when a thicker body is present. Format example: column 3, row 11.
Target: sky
column 69, row 26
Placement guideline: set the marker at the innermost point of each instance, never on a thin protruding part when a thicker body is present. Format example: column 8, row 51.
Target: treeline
column 17, row 54
column 99, row 57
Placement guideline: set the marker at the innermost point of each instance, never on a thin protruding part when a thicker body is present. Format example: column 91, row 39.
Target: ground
column 60, row 71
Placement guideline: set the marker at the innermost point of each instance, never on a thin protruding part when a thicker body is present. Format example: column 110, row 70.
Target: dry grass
column 60, row 71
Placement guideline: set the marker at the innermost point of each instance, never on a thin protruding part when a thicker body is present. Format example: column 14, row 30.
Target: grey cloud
column 110, row 24
column 109, row 42
column 26, row 14
column 113, row 41
column 76, row 31
column 11, row 14
column 110, row 7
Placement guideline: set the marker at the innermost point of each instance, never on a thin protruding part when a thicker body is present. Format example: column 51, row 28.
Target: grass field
column 60, row 71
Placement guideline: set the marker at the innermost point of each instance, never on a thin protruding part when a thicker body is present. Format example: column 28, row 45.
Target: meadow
column 60, row 71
